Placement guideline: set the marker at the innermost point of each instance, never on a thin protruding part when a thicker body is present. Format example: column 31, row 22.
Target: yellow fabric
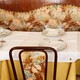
column 18, row 70
column 0, row 68
column 72, row 72
column 62, row 71
column 5, row 71
column 7, row 74
column 78, row 67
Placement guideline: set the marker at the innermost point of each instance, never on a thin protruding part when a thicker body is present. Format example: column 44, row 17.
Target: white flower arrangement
column 54, row 15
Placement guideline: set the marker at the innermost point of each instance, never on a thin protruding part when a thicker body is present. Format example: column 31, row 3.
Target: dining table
column 66, row 66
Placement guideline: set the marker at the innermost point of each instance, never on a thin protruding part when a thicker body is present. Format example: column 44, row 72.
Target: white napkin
column 4, row 32
column 53, row 32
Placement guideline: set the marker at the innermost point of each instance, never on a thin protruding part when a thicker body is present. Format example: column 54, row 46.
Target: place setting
column 3, row 33
column 52, row 38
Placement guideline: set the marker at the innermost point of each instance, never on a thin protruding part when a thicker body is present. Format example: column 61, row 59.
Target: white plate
column 4, row 32
column 53, row 32
column 58, row 45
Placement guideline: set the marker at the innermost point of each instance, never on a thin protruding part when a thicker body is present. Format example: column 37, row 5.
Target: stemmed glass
column 45, row 37
column 60, row 28
column 2, row 34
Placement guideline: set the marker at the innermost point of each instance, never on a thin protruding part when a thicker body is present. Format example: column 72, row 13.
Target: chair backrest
column 27, row 5
column 33, row 62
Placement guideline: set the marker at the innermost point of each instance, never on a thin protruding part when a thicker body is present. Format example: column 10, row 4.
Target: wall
column 26, row 5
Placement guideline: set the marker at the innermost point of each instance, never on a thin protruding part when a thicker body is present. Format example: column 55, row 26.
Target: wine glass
column 2, row 34
column 60, row 31
column 45, row 37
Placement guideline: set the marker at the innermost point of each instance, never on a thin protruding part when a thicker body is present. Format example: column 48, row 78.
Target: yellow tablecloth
column 62, row 71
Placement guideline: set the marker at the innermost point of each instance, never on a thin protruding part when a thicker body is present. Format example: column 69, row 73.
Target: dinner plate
column 53, row 32
column 4, row 32
column 58, row 44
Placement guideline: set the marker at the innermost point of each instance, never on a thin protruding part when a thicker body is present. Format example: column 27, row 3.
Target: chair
column 29, row 52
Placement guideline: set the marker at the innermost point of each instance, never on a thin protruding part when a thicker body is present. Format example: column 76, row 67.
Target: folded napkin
column 53, row 32
column 4, row 32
